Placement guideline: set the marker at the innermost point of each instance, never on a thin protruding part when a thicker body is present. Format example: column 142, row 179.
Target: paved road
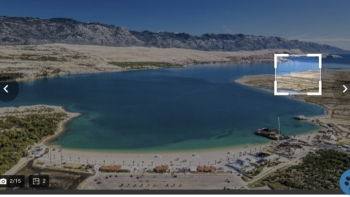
column 22, row 162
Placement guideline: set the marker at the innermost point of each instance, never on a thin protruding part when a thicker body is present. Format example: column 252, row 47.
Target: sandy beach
column 193, row 158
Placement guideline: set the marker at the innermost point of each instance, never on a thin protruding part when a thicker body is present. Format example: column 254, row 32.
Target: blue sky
column 321, row 21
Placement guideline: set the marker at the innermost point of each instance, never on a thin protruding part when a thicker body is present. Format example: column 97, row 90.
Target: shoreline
column 243, row 81
column 236, row 148
column 61, row 128
column 32, row 79
column 114, row 151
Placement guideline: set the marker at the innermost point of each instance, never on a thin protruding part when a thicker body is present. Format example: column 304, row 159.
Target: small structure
column 272, row 158
column 240, row 162
column 183, row 170
column 248, row 169
column 346, row 146
column 251, row 159
column 332, row 137
column 238, row 165
column 157, row 156
column 193, row 169
column 220, row 170
column 195, row 155
column 261, row 162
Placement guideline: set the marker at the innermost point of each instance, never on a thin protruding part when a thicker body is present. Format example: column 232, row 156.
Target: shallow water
column 297, row 64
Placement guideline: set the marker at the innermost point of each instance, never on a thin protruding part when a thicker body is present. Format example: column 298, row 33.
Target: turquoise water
column 196, row 107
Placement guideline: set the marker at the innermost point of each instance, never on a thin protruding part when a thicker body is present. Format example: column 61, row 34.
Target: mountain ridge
column 35, row 31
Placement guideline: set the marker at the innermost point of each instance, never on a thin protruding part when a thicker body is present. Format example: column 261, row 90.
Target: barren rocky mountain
column 33, row 31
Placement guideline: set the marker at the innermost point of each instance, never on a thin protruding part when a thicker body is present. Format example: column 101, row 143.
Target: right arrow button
column 345, row 88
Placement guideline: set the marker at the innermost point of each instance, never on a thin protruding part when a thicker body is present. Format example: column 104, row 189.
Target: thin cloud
column 326, row 39
column 297, row 36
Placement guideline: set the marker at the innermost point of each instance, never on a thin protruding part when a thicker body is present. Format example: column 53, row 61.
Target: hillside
column 34, row 31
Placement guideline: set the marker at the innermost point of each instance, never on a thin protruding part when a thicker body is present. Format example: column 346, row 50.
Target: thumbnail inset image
column 298, row 74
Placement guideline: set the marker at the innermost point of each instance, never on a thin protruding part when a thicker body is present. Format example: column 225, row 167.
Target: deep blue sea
column 195, row 107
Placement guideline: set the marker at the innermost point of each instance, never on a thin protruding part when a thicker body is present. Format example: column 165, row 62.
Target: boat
column 270, row 133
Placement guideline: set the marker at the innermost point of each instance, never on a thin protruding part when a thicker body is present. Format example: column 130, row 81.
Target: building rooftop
column 111, row 168
column 163, row 167
column 206, row 168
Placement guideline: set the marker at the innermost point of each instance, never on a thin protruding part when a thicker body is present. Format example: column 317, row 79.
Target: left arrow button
column 9, row 90
column 5, row 88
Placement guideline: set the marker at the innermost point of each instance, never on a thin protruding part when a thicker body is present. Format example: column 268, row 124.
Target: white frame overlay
column 308, row 93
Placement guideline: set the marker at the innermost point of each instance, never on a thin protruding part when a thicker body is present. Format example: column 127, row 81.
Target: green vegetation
column 258, row 169
column 56, row 71
column 318, row 171
column 120, row 170
column 246, row 179
column 19, row 132
column 43, row 74
column 149, row 171
column 33, row 57
column 10, row 76
column 5, row 57
column 144, row 65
